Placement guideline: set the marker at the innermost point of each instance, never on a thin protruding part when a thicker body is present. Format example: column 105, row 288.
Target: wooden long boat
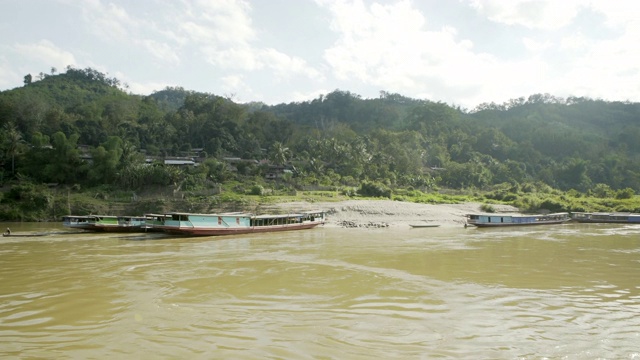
column 601, row 217
column 10, row 234
column 106, row 223
column 191, row 224
column 499, row 220
column 121, row 223
column 79, row 222
column 425, row 225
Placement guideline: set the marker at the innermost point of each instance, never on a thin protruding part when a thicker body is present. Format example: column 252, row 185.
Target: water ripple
column 558, row 292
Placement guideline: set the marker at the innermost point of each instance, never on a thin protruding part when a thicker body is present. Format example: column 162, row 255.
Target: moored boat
column 107, row 223
column 601, row 217
column 154, row 222
column 10, row 234
column 79, row 222
column 235, row 223
column 499, row 220
column 121, row 223
column 425, row 225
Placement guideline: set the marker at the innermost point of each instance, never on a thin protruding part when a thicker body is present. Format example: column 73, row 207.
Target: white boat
column 234, row 223
column 601, row 217
column 499, row 220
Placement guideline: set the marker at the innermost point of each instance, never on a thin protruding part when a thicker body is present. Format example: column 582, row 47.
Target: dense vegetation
column 574, row 150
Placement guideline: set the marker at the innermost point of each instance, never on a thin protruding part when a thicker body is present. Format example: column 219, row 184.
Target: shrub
column 374, row 190
column 627, row 193
column 487, row 208
column 553, row 205
column 256, row 190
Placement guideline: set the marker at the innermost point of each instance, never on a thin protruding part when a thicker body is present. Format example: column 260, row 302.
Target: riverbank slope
column 389, row 213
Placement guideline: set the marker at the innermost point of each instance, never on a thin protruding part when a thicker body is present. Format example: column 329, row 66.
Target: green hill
column 53, row 125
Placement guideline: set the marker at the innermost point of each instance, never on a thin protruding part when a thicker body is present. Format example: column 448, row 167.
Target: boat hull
column 586, row 221
column 123, row 229
column 236, row 223
column 107, row 223
column 235, row 231
column 23, row 235
column 510, row 220
column 518, row 224
column 606, row 218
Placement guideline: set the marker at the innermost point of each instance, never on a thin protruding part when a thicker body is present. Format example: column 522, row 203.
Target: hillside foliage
column 53, row 124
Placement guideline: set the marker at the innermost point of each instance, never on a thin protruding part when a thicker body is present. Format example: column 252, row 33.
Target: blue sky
column 462, row 52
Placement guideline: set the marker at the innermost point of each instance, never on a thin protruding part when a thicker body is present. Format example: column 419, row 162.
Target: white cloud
column 233, row 85
column 298, row 96
column 8, row 77
column 608, row 69
column 223, row 23
column 575, row 42
column 286, row 66
column 233, row 82
column 391, row 48
column 162, row 51
column 198, row 33
column 446, row 51
column 236, row 58
column 535, row 14
column 113, row 24
column 109, row 22
column 146, row 88
column 46, row 53
column 619, row 14
column 536, row 46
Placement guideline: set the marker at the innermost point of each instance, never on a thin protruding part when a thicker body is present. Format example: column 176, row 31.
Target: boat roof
column 518, row 215
column 200, row 214
column 89, row 216
column 274, row 216
column 242, row 214
column 608, row 213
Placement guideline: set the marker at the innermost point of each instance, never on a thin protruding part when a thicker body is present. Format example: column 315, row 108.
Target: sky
column 461, row 52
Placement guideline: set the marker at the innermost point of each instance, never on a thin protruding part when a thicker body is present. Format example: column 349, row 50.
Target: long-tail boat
column 192, row 224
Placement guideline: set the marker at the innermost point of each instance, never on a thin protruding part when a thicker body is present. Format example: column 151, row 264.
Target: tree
column 279, row 154
column 106, row 159
column 602, row 191
column 65, row 165
column 28, row 79
column 11, row 143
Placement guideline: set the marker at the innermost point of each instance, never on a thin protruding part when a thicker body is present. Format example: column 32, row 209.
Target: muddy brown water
column 563, row 291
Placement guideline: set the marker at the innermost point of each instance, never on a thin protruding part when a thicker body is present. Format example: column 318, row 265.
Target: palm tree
column 11, row 143
column 279, row 154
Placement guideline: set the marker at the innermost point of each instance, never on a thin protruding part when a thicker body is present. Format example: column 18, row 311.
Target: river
column 562, row 291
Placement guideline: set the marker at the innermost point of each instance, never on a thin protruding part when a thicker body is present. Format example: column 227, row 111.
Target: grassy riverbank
column 29, row 202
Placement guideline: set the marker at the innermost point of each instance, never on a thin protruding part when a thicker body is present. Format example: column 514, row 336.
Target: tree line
column 51, row 126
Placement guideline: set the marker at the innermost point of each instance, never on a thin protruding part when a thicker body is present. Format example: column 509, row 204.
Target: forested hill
column 54, row 123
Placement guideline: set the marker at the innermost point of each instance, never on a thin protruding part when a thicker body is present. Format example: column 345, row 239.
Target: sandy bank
column 375, row 213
